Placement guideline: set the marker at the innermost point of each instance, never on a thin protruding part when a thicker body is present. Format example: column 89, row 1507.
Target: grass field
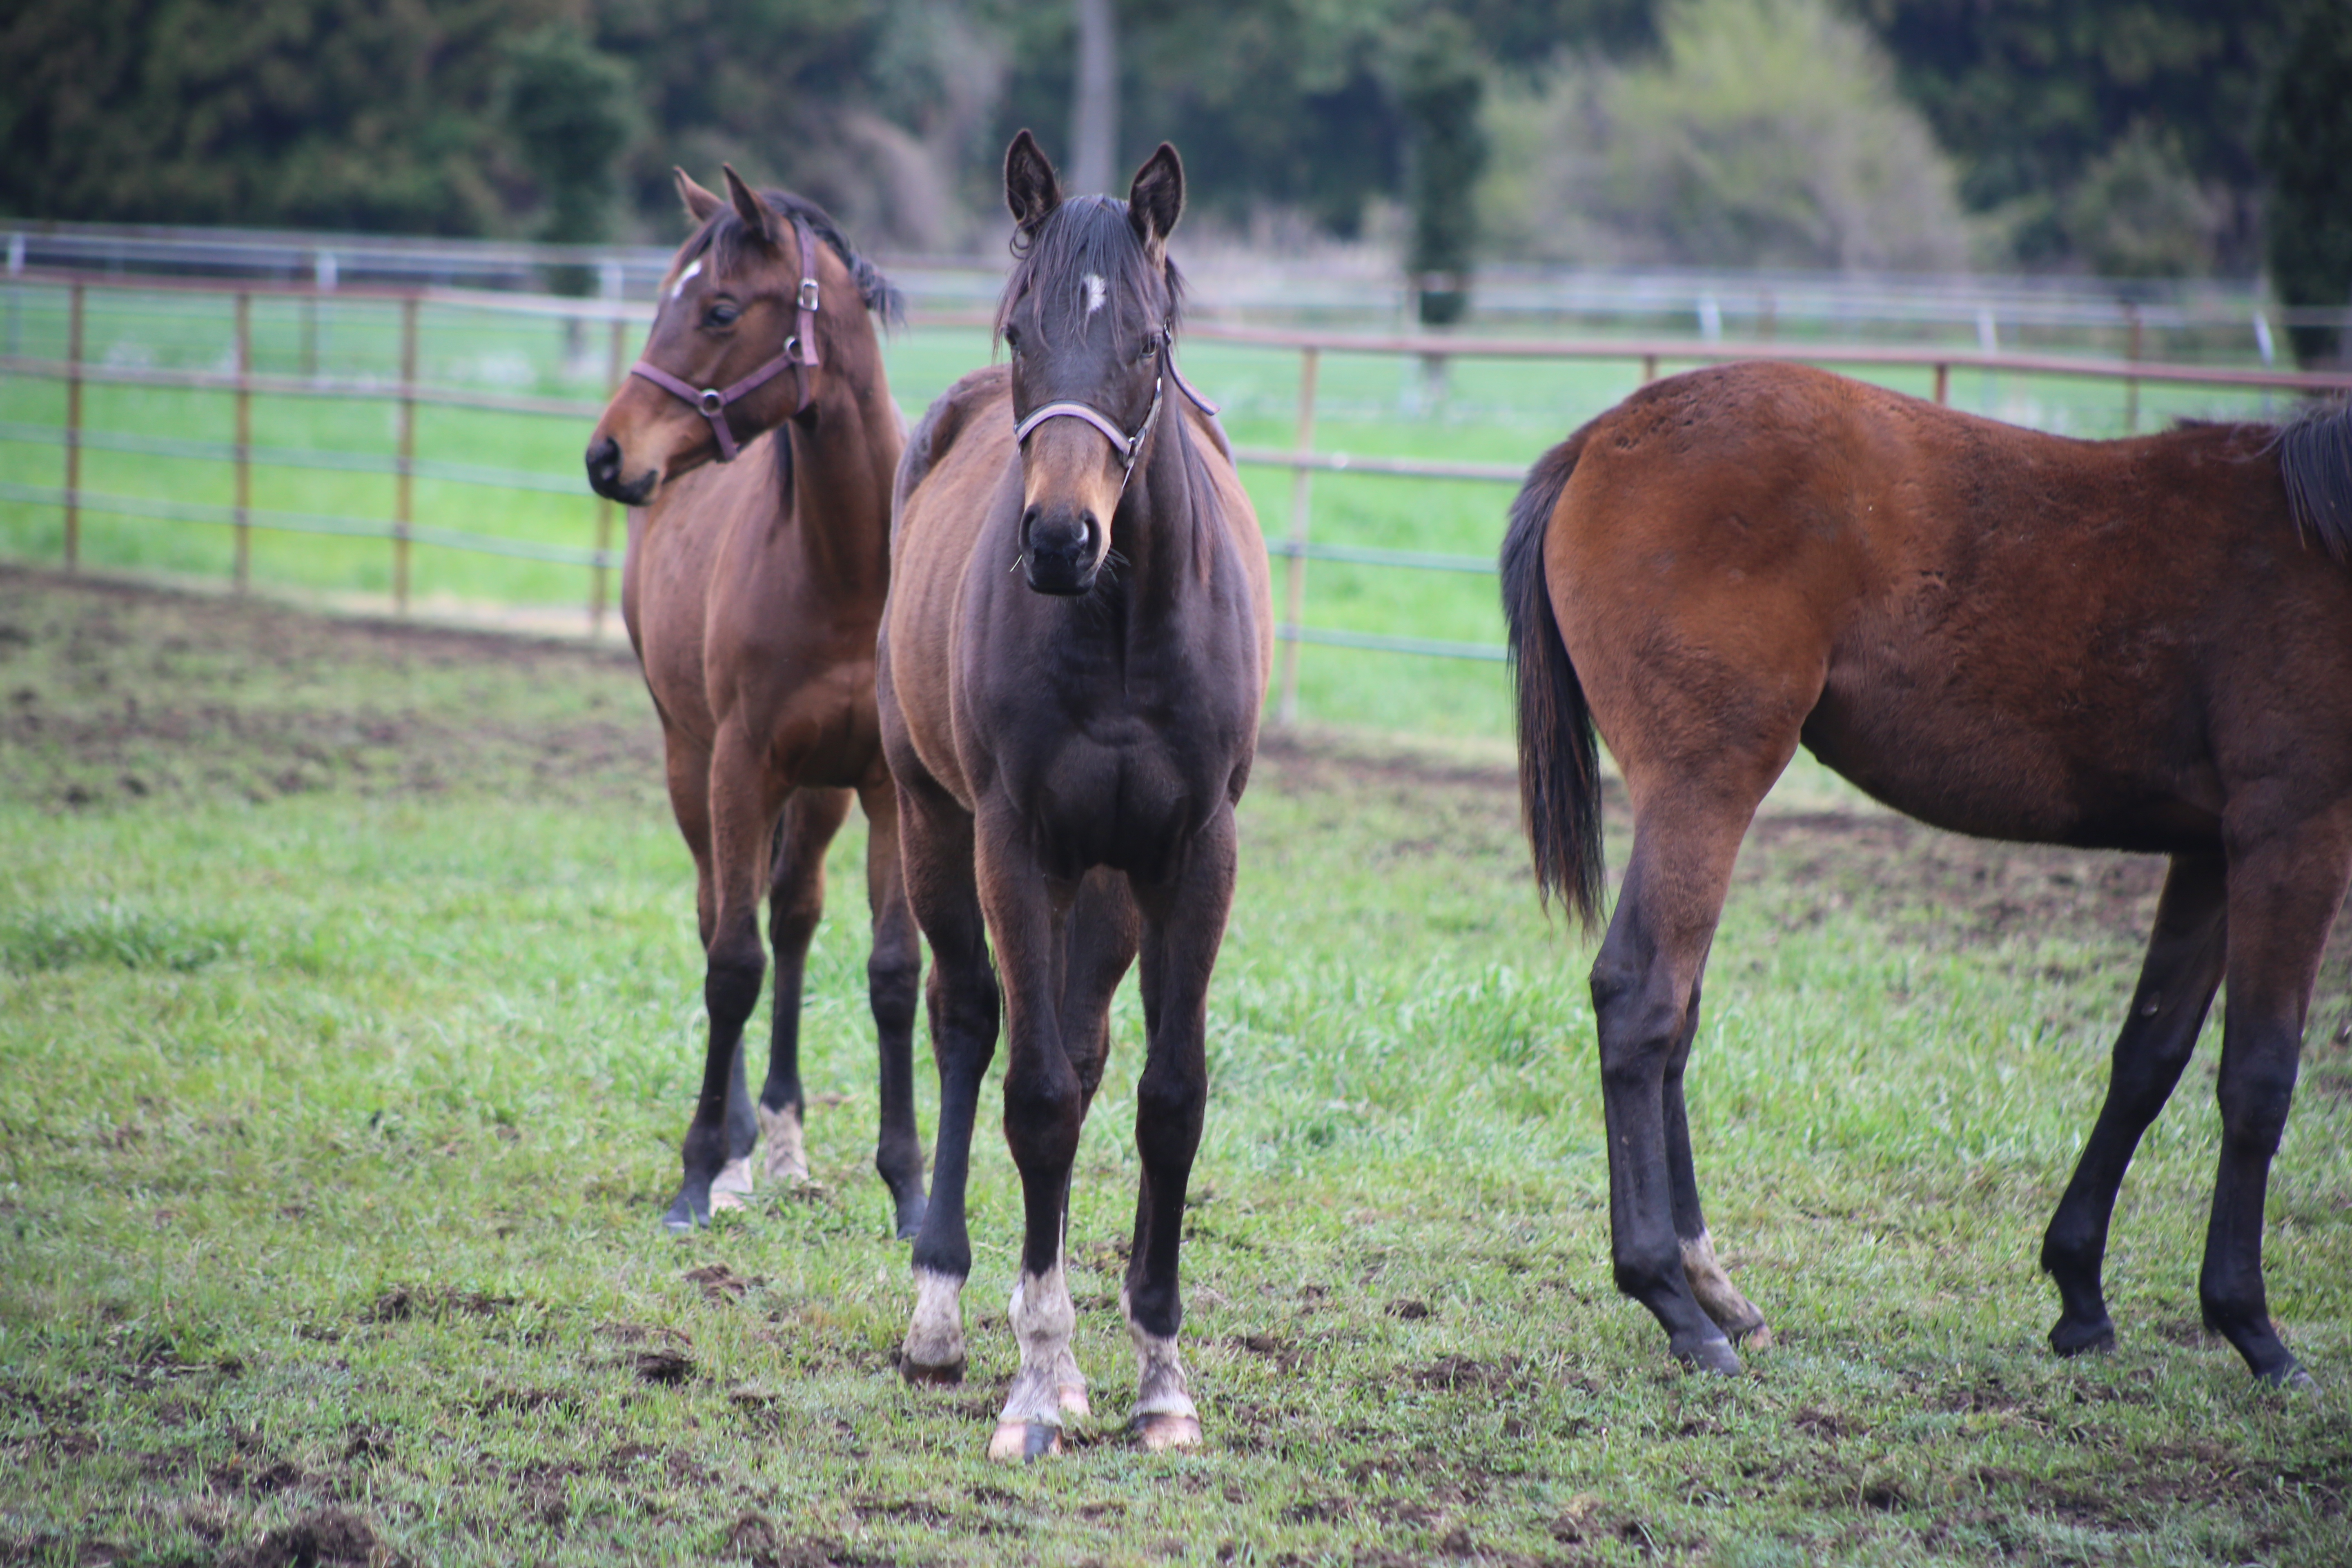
column 1502, row 412
column 350, row 1014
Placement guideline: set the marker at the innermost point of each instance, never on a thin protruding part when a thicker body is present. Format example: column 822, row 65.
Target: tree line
column 2133, row 137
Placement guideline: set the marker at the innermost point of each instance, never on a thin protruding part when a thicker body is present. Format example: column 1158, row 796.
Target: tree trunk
column 1094, row 106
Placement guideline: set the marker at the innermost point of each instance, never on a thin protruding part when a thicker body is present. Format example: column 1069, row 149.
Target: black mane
column 726, row 237
column 2315, row 462
column 1084, row 235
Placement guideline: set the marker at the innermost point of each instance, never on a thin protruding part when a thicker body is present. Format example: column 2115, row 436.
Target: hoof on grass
column 1711, row 1355
column 1024, row 1442
column 2290, row 1376
column 2068, row 1338
column 1072, row 1398
column 946, row 1375
column 725, row 1203
column 910, row 1216
column 681, row 1219
column 1163, row 1430
column 1756, row 1336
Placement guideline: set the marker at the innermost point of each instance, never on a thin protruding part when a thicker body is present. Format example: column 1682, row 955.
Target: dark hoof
column 2068, row 1338
column 1024, row 1442
column 910, row 1216
column 2290, row 1376
column 1711, row 1355
column 683, row 1219
column 923, row 1376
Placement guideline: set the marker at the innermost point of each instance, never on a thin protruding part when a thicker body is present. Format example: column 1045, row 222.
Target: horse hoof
column 725, row 1203
column 947, row 1374
column 681, row 1219
column 1161, row 1431
column 2069, row 1339
column 910, row 1216
column 1072, row 1398
column 2290, row 1376
column 1756, row 1337
column 1024, row 1442
column 1711, row 1355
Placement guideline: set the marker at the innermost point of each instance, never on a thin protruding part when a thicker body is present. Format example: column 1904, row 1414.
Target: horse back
column 1994, row 630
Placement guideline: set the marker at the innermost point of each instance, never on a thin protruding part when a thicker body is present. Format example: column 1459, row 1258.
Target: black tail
column 1559, row 764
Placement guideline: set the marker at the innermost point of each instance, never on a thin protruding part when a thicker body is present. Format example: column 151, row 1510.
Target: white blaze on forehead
column 1094, row 292
column 687, row 277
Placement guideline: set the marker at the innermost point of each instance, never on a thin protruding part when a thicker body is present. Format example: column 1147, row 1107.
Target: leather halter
column 1129, row 446
column 799, row 353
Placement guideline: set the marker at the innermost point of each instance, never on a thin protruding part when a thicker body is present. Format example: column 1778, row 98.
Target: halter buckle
column 710, row 400
column 808, row 294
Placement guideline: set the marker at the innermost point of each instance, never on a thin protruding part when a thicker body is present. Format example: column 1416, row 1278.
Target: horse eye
column 1150, row 345
column 722, row 314
column 1012, row 340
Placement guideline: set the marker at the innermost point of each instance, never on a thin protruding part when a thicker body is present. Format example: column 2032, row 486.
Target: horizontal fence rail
column 1303, row 460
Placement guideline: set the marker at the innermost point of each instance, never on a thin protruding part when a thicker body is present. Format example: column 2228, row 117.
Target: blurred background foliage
column 2122, row 137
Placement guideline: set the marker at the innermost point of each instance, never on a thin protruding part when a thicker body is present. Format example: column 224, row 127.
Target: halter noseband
column 799, row 353
column 1128, row 447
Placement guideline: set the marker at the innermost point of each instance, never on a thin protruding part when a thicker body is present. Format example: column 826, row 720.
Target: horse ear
column 1030, row 188
column 1155, row 200
column 757, row 216
column 700, row 204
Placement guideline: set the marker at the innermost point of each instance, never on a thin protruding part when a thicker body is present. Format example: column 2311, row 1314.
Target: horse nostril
column 605, row 461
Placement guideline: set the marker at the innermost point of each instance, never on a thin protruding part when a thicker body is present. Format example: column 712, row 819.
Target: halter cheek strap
column 799, row 355
column 1128, row 447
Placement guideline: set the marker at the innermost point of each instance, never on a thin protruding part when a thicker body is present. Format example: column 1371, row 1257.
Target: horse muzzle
column 1061, row 549
column 603, row 459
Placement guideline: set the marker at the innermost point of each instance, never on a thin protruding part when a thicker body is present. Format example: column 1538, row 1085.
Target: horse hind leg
column 894, row 969
column 2285, row 885
column 1721, row 1299
column 2176, row 981
column 795, row 903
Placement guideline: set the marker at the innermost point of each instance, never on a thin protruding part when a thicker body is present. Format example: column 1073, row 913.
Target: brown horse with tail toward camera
column 752, row 591
column 2140, row 645
column 1073, row 661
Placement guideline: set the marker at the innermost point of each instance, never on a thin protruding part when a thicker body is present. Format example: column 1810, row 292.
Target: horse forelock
column 1084, row 252
column 725, row 240
column 2314, row 457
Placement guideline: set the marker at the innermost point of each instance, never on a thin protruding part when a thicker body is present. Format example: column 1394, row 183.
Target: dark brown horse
column 1073, row 661
column 2126, row 645
column 752, row 593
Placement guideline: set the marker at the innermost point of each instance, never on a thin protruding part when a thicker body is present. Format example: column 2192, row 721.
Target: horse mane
column 726, row 237
column 1085, row 235
column 2315, row 462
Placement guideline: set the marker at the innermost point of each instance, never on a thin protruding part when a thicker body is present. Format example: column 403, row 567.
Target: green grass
column 349, row 1012
column 1503, row 412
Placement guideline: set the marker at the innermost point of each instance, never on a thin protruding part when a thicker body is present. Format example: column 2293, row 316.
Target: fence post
column 1294, row 581
column 404, row 466
column 598, row 575
column 73, row 429
column 244, row 441
column 1649, row 369
column 2131, row 382
column 1943, row 382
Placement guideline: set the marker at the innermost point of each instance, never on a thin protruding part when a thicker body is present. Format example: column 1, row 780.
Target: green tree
column 1442, row 84
column 571, row 109
column 2305, row 146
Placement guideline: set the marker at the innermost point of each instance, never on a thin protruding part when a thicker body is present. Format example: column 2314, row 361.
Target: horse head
column 1087, row 319
column 748, row 321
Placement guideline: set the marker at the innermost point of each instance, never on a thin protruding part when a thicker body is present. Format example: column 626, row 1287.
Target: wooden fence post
column 73, row 430
column 1943, row 382
column 598, row 575
column 244, row 441
column 1649, row 369
column 1294, row 588
column 2131, row 382
column 404, row 466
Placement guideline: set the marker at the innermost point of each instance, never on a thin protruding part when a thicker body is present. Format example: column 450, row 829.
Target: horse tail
column 1559, row 764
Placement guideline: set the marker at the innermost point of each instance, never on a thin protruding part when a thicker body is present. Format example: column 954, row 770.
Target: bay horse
column 1073, row 660
column 752, row 590
column 2140, row 645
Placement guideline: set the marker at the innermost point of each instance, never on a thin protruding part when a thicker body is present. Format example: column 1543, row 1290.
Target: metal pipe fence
column 1295, row 546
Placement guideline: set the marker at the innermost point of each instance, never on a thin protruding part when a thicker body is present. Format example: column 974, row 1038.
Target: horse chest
column 1127, row 801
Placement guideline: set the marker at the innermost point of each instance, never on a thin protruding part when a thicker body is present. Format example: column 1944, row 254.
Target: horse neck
column 1170, row 539
column 835, row 471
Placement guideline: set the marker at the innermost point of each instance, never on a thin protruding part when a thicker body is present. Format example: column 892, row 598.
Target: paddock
column 347, row 999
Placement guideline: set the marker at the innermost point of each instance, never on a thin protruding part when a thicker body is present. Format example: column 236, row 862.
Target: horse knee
column 1168, row 1112
column 2254, row 1105
column 892, row 980
column 731, row 980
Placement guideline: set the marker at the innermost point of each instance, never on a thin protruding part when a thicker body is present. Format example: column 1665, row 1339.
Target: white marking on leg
column 687, row 277
column 935, row 1337
column 731, row 1186
column 1732, row 1312
column 787, row 1153
column 1160, row 1386
column 1041, row 1317
column 1095, row 292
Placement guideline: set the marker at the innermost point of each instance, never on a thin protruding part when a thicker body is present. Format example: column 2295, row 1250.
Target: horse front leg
column 936, row 850
column 1044, row 1111
column 1645, row 987
column 2286, row 883
column 2176, row 980
column 742, row 807
column 795, row 903
column 1184, row 924
column 894, row 971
